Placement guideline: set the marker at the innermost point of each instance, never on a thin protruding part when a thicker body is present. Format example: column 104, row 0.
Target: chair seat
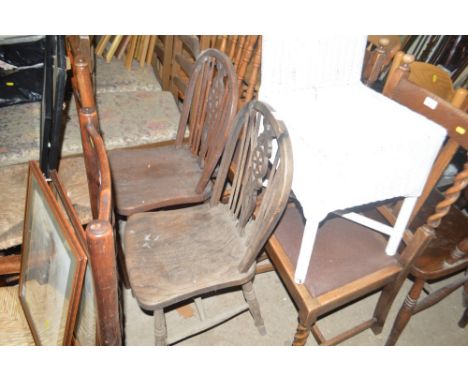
column 431, row 264
column 14, row 329
column 13, row 184
column 344, row 252
column 126, row 119
column 174, row 255
column 114, row 77
column 149, row 178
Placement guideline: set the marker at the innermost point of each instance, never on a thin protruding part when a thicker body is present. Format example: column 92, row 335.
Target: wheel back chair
column 176, row 255
column 147, row 178
column 447, row 254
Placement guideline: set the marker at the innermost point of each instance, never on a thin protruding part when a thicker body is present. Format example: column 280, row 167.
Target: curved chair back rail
column 209, row 107
column 262, row 179
column 100, row 232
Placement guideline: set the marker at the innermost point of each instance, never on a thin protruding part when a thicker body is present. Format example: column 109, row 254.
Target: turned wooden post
column 397, row 71
column 100, row 238
column 376, row 61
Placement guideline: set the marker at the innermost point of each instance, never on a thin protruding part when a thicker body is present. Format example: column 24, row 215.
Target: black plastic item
column 21, row 86
column 23, row 54
column 23, row 82
column 52, row 101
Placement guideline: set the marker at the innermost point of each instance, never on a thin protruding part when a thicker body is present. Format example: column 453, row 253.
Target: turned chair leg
column 464, row 319
column 406, row 311
column 254, row 307
column 302, row 333
column 160, row 331
column 383, row 306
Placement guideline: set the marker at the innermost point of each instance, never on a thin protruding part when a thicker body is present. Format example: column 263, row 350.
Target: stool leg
column 160, row 332
column 254, row 307
column 406, row 311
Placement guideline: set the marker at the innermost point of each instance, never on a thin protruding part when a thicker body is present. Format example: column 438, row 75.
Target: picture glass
column 48, row 270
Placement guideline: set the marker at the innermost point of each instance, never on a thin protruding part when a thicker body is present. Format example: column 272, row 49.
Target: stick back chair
column 147, row 178
column 181, row 254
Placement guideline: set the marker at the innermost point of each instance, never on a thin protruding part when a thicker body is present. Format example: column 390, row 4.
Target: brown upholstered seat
column 340, row 245
column 150, row 179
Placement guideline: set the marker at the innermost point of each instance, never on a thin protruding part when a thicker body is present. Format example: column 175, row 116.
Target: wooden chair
column 176, row 255
column 348, row 262
column 154, row 177
column 445, row 256
column 99, row 233
column 447, row 253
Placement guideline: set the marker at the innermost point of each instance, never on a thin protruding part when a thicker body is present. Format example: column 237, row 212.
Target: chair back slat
column 260, row 155
column 209, row 108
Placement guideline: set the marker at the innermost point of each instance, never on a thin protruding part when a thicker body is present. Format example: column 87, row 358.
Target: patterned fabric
column 113, row 77
column 127, row 119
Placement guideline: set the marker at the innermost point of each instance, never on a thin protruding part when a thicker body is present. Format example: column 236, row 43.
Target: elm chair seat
column 172, row 272
column 150, row 179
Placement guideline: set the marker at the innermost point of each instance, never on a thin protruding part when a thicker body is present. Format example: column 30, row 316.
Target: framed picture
column 85, row 333
column 53, row 265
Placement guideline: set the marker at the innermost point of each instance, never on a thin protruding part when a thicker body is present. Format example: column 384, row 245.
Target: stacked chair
column 189, row 252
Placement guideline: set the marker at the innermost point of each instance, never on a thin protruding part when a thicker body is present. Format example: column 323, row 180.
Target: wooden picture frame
column 85, row 333
column 52, row 266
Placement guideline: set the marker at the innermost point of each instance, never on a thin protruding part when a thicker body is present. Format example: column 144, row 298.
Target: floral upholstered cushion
column 127, row 119
column 114, row 77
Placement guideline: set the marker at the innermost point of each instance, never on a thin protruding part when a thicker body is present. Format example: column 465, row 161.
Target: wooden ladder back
column 209, row 109
column 263, row 175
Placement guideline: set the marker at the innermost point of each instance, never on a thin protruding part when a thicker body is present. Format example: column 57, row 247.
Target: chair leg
column 406, row 311
column 254, row 307
column 302, row 333
column 160, row 332
column 383, row 307
column 464, row 319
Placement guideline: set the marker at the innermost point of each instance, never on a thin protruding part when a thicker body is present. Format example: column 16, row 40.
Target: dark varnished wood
column 184, row 253
column 438, row 260
column 433, row 264
column 99, row 233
